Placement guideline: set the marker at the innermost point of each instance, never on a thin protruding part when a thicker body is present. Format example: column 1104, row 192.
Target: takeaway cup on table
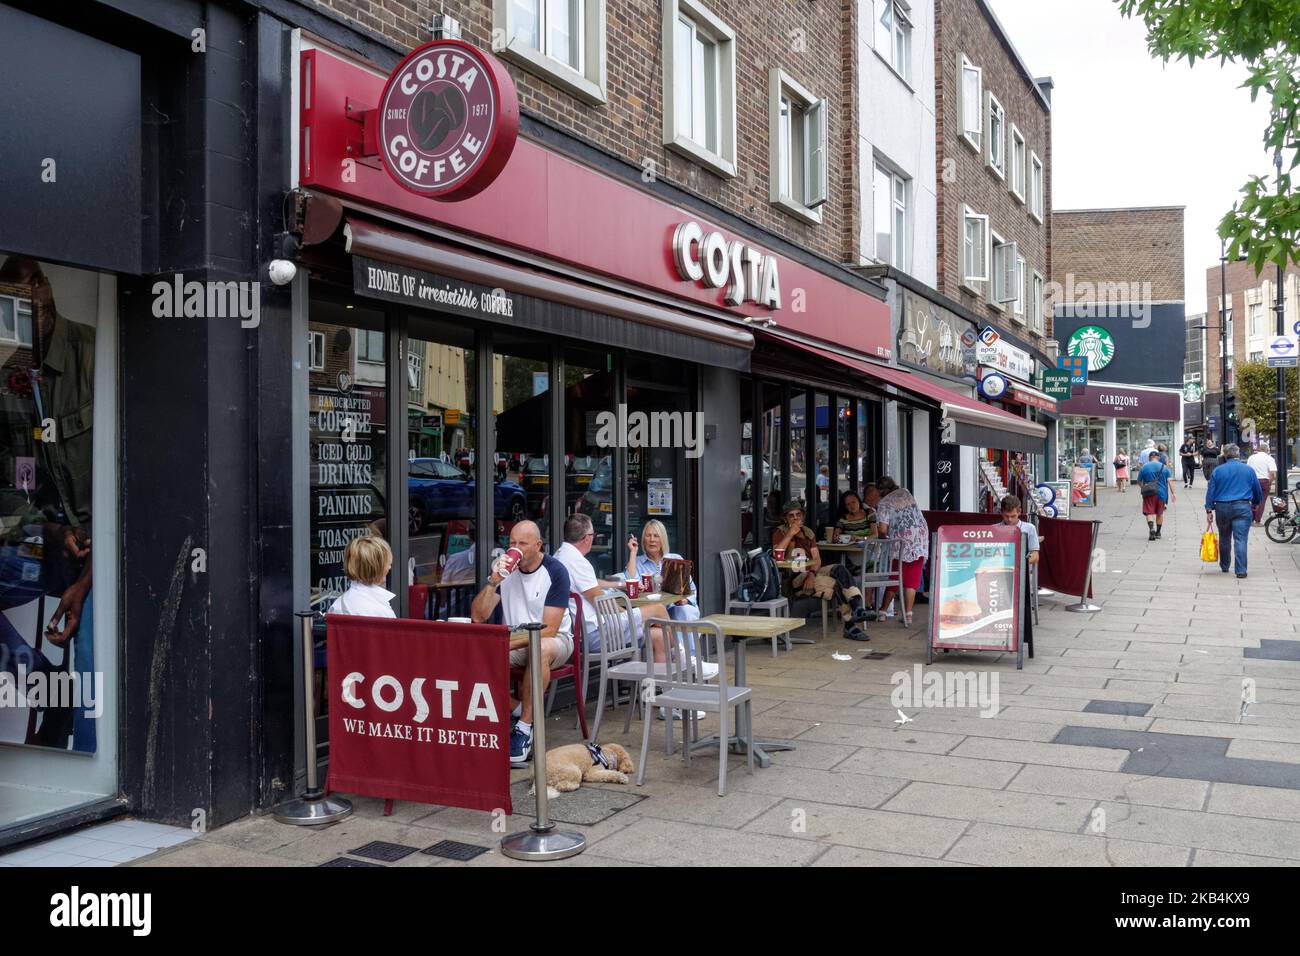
column 778, row 554
column 633, row 587
column 647, row 582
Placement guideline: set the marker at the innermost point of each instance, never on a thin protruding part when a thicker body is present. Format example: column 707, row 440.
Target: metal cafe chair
column 685, row 648
column 878, row 555
column 732, row 574
column 573, row 667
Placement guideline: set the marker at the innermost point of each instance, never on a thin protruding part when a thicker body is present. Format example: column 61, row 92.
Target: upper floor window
column 699, row 86
column 894, row 35
column 1021, row 278
column 1256, row 319
column 563, row 41
column 370, row 346
column 415, row 370
column 1035, row 186
column 889, row 205
column 1036, row 303
column 970, row 84
column 1005, row 255
column 797, row 140
column 1017, row 163
column 974, row 248
column 997, row 157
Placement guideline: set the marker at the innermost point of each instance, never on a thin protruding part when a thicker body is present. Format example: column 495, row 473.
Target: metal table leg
column 736, row 743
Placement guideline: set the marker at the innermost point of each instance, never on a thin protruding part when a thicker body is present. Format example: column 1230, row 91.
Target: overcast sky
column 1128, row 131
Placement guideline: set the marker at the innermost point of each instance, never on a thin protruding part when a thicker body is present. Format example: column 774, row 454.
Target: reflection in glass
column 347, row 416
column 798, row 446
column 588, row 467
column 521, row 396
column 47, row 404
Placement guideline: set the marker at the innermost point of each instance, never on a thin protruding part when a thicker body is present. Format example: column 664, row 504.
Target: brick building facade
column 1250, row 313
column 813, row 44
column 990, row 195
column 1096, row 249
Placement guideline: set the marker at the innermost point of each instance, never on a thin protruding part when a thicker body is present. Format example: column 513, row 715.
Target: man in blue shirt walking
column 1153, row 482
column 1229, row 500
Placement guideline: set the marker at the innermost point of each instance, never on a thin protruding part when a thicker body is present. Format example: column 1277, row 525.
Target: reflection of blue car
column 439, row 491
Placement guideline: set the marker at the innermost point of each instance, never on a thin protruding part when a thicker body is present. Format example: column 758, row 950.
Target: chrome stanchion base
column 541, row 845
column 1046, row 592
column 1082, row 607
column 307, row 812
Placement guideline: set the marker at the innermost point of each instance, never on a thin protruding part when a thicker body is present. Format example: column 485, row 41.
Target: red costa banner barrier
column 1065, row 555
column 419, row 710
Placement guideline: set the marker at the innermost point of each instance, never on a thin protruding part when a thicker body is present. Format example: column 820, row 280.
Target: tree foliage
column 1255, row 387
column 1264, row 36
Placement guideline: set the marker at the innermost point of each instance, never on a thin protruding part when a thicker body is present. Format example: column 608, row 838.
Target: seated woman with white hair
column 649, row 559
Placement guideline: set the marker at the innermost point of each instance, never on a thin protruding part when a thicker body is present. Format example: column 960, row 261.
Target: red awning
column 978, row 424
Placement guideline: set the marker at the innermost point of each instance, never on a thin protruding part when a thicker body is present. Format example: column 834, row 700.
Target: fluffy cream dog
column 567, row 767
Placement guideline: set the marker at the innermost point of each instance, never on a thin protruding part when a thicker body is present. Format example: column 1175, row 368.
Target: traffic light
column 1230, row 409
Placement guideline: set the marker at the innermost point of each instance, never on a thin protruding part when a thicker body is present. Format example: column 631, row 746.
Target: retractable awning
column 557, row 305
column 976, row 423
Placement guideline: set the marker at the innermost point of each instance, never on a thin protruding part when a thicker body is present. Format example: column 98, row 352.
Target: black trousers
column 1189, row 471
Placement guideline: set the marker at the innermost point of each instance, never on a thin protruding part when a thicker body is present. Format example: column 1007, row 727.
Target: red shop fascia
column 549, row 213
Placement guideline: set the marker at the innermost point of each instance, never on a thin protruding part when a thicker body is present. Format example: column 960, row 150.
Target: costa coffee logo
column 448, row 119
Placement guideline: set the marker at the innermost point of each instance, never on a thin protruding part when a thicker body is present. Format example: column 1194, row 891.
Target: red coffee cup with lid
column 510, row 561
column 778, row 553
column 647, row 582
column 633, row 587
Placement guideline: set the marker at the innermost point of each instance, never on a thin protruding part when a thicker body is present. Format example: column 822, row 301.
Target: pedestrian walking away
column 1187, row 452
column 1230, row 498
column 1153, row 482
column 1121, row 470
column 1265, row 469
column 1209, row 458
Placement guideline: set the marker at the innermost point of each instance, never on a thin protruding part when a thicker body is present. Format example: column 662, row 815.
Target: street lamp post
column 1279, row 396
column 1223, row 343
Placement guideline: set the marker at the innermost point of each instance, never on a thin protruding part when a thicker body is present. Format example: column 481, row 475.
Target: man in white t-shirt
column 537, row 590
column 1265, row 469
column 578, row 538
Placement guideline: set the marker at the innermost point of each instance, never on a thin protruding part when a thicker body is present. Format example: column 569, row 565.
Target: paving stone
column 988, row 844
column 1264, row 750
column 1254, row 801
column 931, row 767
column 868, row 829
column 868, row 789
column 1218, row 859
column 1056, row 755
column 854, row 857
column 1109, row 785
column 992, row 806
column 1130, row 708
column 885, row 736
column 675, row 843
column 1210, row 831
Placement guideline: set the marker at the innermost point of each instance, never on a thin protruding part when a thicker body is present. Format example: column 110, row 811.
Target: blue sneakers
column 521, row 748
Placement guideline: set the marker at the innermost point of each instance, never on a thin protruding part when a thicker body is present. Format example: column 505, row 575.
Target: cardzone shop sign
column 448, row 120
column 748, row 273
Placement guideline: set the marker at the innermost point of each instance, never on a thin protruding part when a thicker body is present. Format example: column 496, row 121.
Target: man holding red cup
column 527, row 585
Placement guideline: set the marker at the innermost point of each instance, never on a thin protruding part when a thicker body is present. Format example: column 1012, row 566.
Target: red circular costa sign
column 448, row 118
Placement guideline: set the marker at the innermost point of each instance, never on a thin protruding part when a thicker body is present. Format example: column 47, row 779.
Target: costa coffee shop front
column 479, row 349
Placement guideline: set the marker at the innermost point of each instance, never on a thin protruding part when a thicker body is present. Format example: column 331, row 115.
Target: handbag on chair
column 677, row 574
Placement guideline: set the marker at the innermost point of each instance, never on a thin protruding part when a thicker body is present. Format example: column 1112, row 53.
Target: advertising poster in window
column 50, row 694
column 347, row 413
column 977, row 583
column 659, row 496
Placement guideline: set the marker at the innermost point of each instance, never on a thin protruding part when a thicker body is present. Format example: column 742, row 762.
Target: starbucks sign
column 1093, row 343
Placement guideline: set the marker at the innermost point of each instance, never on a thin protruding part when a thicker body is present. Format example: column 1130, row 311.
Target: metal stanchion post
column 1084, row 605
column 541, row 841
column 313, row 807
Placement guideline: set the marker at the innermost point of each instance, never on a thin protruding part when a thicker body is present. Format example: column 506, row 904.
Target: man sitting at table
column 537, row 590
column 578, row 537
column 834, row 583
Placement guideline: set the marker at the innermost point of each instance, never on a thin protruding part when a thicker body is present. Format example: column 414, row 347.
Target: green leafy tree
column 1264, row 36
column 1256, row 383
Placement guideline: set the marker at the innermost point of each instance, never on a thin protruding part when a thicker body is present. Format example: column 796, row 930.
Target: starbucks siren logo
column 1093, row 343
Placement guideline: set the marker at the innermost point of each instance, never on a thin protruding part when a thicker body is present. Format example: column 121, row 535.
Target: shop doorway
column 1078, row 434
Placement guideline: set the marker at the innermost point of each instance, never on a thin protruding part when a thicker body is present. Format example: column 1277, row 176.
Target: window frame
column 900, row 36
column 1022, row 279
column 722, row 162
column 974, row 284
column 1037, row 186
column 588, row 84
column 813, row 117
column 896, row 256
column 17, row 339
column 1018, row 167
column 1037, row 292
column 312, row 351
column 999, row 170
column 964, row 64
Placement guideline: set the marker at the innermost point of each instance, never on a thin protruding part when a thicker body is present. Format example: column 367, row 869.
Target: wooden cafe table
column 742, row 629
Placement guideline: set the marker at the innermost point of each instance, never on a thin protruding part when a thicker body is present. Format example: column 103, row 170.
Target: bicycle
column 1283, row 525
